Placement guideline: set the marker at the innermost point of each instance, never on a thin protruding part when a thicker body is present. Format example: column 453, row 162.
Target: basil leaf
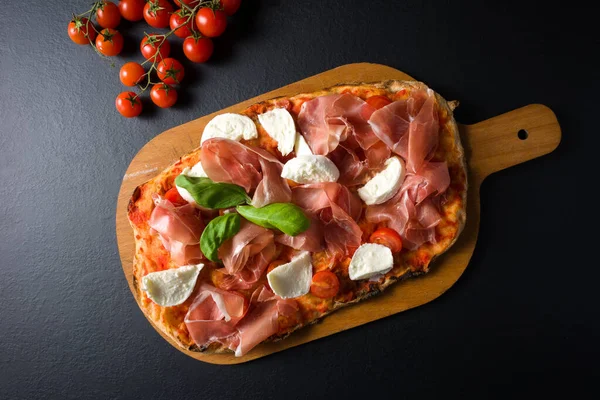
column 216, row 232
column 287, row 217
column 209, row 194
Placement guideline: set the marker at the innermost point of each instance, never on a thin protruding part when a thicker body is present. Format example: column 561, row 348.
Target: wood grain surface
column 490, row 146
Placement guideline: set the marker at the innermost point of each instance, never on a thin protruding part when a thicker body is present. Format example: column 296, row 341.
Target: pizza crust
column 391, row 86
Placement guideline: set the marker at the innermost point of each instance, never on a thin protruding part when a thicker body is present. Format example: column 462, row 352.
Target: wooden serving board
column 490, row 146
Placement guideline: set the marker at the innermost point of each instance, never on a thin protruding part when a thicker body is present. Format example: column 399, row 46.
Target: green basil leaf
column 216, row 232
column 211, row 194
column 287, row 217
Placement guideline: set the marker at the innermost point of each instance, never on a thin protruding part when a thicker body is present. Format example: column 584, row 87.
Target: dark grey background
column 522, row 320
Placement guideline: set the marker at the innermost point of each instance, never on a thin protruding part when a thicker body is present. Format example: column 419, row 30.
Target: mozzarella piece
column 310, row 169
column 369, row 260
column 196, row 172
column 292, row 279
column 385, row 184
column 301, row 148
column 279, row 124
column 172, row 286
column 230, row 126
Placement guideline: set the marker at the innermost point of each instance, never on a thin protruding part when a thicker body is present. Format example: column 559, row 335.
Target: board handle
column 510, row 139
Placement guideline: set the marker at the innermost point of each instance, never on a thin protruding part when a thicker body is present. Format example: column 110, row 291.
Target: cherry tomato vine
column 195, row 22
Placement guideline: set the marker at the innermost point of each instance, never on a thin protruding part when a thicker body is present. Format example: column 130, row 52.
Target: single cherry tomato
column 174, row 197
column 378, row 101
column 230, row 6
column 109, row 42
column 108, row 15
column 163, row 95
column 152, row 43
column 325, row 284
column 81, row 30
column 131, row 73
column 128, row 104
column 189, row 3
column 132, row 10
column 211, row 23
column 178, row 23
column 387, row 237
column 157, row 13
column 198, row 49
column 170, row 71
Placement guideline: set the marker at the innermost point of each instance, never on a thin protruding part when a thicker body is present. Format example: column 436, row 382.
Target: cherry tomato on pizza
column 174, row 197
column 157, row 13
column 108, row 15
column 163, row 95
column 325, row 284
column 170, row 71
column 198, row 49
column 378, row 101
column 387, row 237
column 211, row 23
column 132, row 10
column 153, row 43
column 128, row 104
column 81, row 31
column 109, row 42
column 131, row 73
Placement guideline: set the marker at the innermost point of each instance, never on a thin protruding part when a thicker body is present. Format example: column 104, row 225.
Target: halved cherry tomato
column 230, row 6
column 275, row 264
column 152, row 43
column 174, row 197
column 325, row 284
column 387, row 237
column 108, row 15
column 163, row 95
column 157, row 13
column 79, row 30
column 109, row 42
column 128, row 104
column 131, row 73
column 199, row 49
column 211, row 23
column 132, row 10
column 170, row 71
column 378, row 101
column 177, row 22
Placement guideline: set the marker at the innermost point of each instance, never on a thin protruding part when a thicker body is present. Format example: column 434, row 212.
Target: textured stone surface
column 522, row 315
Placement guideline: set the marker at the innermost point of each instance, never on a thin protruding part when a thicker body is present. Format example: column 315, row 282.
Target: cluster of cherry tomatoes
column 195, row 21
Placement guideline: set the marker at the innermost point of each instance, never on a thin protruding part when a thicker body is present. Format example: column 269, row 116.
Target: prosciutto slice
column 409, row 128
column 246, row 255
column 337, row 209
column 179, row 230
column 250, row 167
column 310, row 240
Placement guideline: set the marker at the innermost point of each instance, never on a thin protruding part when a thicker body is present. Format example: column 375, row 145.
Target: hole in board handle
column 523, row 134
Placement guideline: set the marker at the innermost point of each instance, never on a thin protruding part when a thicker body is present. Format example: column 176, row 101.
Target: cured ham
column 310, row 240
column 409, row 128
column 337, row 209
column 246, row 255
column 225, row 160
column 179, row 229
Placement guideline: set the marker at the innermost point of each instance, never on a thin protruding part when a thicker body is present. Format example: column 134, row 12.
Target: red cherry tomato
column 198, row 50
column 325, row 284
column 387, row 237
column 174, row 197
column 153, row 43
column 378, row 101
column 230, row 6
column 132, row 10
column 128, row 104
column 189, row 3
column 131, row 73
column 211, row 23
column 163, row 95
column 108, row 15
column 81, row 31
column 170, row 71
column 109, row 42
column 178, row 23
column 157, row 13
